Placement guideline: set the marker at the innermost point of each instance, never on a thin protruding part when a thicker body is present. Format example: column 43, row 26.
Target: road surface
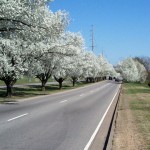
column 64, row 121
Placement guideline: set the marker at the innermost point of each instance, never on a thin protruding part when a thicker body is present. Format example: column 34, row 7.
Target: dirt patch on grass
column 127, row 136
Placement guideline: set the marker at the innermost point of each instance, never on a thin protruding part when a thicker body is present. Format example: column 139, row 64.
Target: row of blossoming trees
column 34, row 41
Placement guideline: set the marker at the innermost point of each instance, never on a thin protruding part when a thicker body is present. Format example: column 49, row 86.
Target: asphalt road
column 64, row 121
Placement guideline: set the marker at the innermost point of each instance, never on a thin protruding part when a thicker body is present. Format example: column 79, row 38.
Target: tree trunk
column 43, row 78
column 60, row 81
column 9, row 90
column 60, row 84
column 73, row 83
column 91, row 79
column 43, row 86
column 9, row 84
column 87, row 80
column 74, row 80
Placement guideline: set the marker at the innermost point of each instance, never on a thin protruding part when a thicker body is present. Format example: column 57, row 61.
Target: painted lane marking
column 82, row 94
column 17, row 117
column 100, row 123
column 64, row 101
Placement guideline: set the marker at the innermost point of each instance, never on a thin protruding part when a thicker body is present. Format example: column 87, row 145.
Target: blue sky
column 121, row 27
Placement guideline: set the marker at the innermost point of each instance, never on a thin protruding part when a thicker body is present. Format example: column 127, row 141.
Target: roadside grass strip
column 140, row 106
column 35, row 90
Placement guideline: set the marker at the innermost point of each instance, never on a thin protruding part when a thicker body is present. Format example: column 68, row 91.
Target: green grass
column 2, row 83
column 136, row 88
column 35, row 90
column 26, row 80
column 140, row 106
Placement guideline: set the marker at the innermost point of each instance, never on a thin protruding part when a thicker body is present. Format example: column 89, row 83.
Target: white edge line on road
column 64, row 101
column 99, row 125
column 17, row 117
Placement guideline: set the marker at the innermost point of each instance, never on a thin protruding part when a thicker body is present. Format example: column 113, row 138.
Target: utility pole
column 92, row 38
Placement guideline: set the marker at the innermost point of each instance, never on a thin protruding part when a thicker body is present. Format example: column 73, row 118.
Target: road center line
column 64, row 101
column 17, row 117
column 100, row 123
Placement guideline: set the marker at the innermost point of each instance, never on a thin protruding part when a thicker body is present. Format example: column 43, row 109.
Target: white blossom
column 131, row 70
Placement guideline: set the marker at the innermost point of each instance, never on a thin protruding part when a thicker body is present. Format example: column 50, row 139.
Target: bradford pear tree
column 43, row 68
column 90, row 66
column 131, row 70
column 72, row 46
column 12, row 62
column 61, row 71
column 106, row 69
column 76, row 68
column 110, row 71
column 44, row 51
column 142, row 73
column 145, row 60
column 23, row 24
column 128, row 70
column 11, row 57
column 52, row 51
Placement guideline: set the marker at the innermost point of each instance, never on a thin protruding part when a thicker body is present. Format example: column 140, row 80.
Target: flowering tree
column 61, row 71
column 106, row 69
column 142, row 73
column 131, row 70
column 43, row 68
column 67, row 44
column 72, row 46
column 11, row 57
column 146, row 62
column 24, row 25
column 75, row 70
column 12, row 62
column 90, row 66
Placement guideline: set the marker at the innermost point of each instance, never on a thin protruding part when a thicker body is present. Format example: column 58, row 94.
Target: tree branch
column 21, row 22
column 9, row 29
column 14, row 20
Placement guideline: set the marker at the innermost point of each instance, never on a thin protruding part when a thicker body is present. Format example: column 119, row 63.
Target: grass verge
column 140, row 106
column 26, row 80
column 35, row 90
column 132, row 130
